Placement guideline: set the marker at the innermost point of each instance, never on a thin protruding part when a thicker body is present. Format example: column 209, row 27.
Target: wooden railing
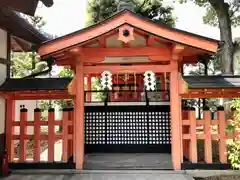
column 51, row 136
column 194, row 130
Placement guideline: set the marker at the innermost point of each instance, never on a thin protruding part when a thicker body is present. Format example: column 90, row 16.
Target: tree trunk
column 227, row 50
column 222, row 10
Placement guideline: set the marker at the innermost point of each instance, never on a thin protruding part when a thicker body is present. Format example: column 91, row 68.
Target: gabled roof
column 212, row 82
column 25, row 6
column 19, row 27
column 35, row 84
column 132, row 19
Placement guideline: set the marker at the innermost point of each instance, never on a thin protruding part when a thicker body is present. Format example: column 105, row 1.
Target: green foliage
column 99, row 10
column 211, row 16
column 66, row 72
column 21, row 64
column 234, row 145
column 26, row 63
column 45, row 104
column 234, row 154
column 99, row 96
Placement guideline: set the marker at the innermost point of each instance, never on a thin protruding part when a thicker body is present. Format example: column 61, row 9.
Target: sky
column 67, row 16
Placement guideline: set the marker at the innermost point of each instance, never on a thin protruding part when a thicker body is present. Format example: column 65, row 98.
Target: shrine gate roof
column 35, row 84
column 212, row 82
column 126, row 17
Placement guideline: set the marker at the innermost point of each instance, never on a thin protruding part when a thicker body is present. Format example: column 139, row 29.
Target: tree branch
column 234, row 11
column 142, row 5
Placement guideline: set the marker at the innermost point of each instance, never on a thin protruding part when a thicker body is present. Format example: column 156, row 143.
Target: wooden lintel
column 128, row 69
column 126, row 52
column 211, row 95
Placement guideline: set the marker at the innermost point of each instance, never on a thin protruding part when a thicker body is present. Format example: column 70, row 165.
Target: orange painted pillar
column 65, row 136
column 186, row 142
column 10, row 117
column 208, row 137
column 23, row 133
column 193, row 134
column 74, row 134
column 70, row 133
column 37, row 127
column 175, row 117
column 79, row 110
column 51, row 135
column 89, row 88
column 222, row 133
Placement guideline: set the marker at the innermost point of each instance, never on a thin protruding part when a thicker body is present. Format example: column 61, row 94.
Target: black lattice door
column 129, row 129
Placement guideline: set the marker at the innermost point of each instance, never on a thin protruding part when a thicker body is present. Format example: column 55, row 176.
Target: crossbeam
column 128, row 69
column 96, row 54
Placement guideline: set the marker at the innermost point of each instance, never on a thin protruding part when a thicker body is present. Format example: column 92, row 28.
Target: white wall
column 3, row 69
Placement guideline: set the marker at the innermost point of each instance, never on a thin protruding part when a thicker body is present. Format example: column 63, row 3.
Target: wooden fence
column 66, row 135
column 208, row 130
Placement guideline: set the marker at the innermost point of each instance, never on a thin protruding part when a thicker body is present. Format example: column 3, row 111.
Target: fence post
column 37, row 127
column 65, row 135
column 70, row 131
column 208, row 136
column 23, row 131
column 10, row 118
column 51, row 134
column 222, row 134
column 193, row 134
column 186, row 142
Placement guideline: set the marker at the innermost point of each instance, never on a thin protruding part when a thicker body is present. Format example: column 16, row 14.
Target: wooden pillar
column 175, row 117
column 79, row 110
column 51, row 135
column 65, row 136
column 10, row 117
column 23, row 133
column 193, row 141
column 89, row 88
column 208, row 137
column 37, row 133
column 222, row 140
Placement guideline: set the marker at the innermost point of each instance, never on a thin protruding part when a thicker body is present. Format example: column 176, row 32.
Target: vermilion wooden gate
column 127, row 129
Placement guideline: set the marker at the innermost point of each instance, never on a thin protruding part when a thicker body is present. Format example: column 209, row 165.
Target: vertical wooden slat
column 74, row 134
column 193, row 140
column 23, row 131
column 10, row 117
column 37, row 127
column 163, row 86
column 89, row 88
column 70, row 131
column 65, row 136
column 222, row 133
column 51, row 135
column 208, row 137
column 186, row 142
